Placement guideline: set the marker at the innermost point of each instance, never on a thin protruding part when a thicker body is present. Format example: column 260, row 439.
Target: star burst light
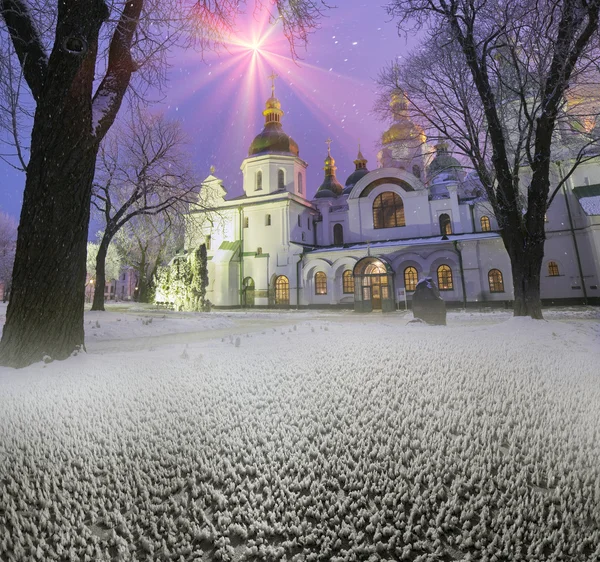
column 233, row 85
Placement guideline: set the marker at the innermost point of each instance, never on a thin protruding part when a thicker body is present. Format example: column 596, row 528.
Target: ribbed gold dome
column 403, row 129
column 273, row 103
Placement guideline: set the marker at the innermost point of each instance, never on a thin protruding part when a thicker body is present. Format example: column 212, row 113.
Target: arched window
column 280, row 179
column 282, row 290
column 347, row 282
column 485, row 224
column 320, row 283
column 338, row 234
column 258, row 181
column 207, row 242
column 553, row 269
column 444, row 275
column 495, row 281
column 246, row 222
column 267, row 220
column 299, row 182
column 388, row 210
column 445, row 225
column 411, row 278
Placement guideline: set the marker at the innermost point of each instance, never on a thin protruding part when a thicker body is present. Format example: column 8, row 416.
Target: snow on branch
column 27, row 43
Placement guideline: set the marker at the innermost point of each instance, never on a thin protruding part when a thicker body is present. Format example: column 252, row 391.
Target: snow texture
column 307, row 436
column 590, row 205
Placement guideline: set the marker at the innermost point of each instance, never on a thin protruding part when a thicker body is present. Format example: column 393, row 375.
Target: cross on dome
column 328, row 143
column 273, row 77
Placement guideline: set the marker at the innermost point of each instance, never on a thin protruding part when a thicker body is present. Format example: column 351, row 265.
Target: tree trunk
column 45, row 312
column 98, row 303
column 526, row 261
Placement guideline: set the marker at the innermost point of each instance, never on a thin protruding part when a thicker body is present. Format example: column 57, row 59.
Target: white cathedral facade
column 365, row 244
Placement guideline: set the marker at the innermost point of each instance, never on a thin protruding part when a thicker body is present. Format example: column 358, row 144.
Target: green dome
column 273, row 140
column 444, row 163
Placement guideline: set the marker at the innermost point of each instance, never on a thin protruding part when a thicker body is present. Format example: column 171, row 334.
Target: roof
column 410, row 242
column 589, row 198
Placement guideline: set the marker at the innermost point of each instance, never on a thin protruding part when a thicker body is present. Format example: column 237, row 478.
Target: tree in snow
column 113, row 262
column 513, row 85
column 8, row 238
column 144, row 244
column 142, row 170
column 78, row 59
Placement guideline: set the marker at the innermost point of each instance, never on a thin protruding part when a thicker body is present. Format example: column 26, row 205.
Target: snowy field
column 307, row 436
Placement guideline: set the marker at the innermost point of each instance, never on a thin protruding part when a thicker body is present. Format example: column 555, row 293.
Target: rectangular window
column 299, row 220
column 207, row 242
column 268, row 220
column 246, row 222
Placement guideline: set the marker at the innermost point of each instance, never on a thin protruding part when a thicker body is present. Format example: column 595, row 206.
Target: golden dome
column 273, row 103
column 403, row 131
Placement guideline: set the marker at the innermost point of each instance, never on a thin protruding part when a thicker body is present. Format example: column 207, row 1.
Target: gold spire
column 272, row 112
column 361, row 161
column 273, row 77
column 330, row 166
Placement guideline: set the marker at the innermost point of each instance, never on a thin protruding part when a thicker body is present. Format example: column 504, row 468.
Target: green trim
column 587, row 191
column 232, row 246
column 255, row 255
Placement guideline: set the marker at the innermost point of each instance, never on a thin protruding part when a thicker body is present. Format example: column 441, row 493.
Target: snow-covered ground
column 307, row 436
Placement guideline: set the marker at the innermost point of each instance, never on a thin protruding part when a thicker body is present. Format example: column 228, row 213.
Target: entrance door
column 248, row 294
column 376, row 292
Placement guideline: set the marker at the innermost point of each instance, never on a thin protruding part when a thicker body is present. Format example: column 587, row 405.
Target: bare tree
column 501, row 80
column 145, row 244
column 8, row 239
column 60, row 49
column 143, row 169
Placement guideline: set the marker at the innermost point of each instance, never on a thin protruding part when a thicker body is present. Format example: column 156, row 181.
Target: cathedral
column 365, row 244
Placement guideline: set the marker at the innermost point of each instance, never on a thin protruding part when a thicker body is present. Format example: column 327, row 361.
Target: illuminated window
column 411, row 278
column 267, row 220
column 485, row 224
column 246, row 222
column 299, row 182
column 282, row 290
column 388, row 210
column 280, row 179
column 445, row 225
column 258, row 181
column 553, row 269
column 348, row 282
column 320, row 283
column 495, row 280
column 444, row 275
column 338, row 234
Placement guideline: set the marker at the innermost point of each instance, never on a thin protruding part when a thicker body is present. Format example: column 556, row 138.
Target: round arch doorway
column 373, row 285
column 248, row 293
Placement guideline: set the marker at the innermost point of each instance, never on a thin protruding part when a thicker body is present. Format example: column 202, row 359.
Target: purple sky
column 328, row 93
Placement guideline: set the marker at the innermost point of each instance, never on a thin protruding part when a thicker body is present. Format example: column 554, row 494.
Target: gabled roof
column 589, row 198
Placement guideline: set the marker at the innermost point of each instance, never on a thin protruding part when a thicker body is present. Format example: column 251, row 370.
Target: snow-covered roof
column 411, row 242
column 589, row 198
